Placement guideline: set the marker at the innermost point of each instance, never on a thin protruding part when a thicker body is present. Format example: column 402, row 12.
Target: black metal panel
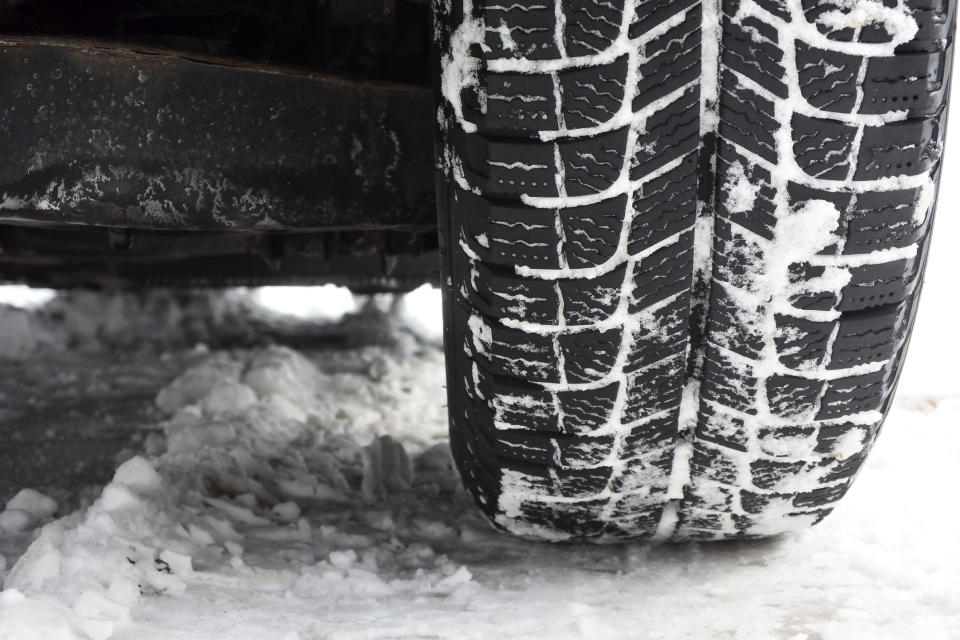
column 97, row 134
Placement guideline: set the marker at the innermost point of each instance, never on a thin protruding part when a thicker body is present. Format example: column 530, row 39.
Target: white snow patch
column 850, row 443
column 856, row 14
column 24, row 297
column 327, row 302
column 740, row 193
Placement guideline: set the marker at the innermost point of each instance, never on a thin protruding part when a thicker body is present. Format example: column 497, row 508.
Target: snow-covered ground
column 285, row 477
column 307, row 493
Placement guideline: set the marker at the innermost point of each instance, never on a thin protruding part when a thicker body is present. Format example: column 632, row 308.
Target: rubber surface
column 683, row 244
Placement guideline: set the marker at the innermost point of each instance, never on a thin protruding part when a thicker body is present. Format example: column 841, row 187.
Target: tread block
column 793, row 397
column 672, row 61
column 728, row 383
column 592, row 165
column 735, row 256
column 592, row 26
column 592, row 300
column 589, row 356
column 559, row 451
column 879, row 284
column 662, row 274
column 802, row 344
column 907, row 147
column 866, row 337
column 714, row 463
column 668, row 135
column 589, row 410
column 727, row 327
column 636, row 512
column 653, row 390
column 734, row 171
column 592, row 96
column 592, row 232
column 511, row 298
column 747, row 119
column 578, row 519
column 519, row 355
column 664, row 206
column 788, row 440
column 749, row 51
column 509, row 234
column 823, row 148
column 516, row 103
column 829, row 80
column 883, row 219
column 767, row 474
column 533, row 409
column 647, row 443
column 914, row 82
column 658, row 336
column 525, row 104
column 648, row 15
column 541, row 482
column 522, row 29
column 831, row 436
column 722, row 429
column 852, row 395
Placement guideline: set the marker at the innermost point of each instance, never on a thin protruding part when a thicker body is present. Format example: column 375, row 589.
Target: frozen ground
column 197, row 466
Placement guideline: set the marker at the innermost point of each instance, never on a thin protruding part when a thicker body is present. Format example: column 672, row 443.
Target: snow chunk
column 198, row 382
column 34, row 503
column 139, row 475
column 228, row 396
column 850, row 443
column 23, row 618
column 26, row 510
column 286, row 511
column 482, row 333
column 897, row 21
column 176, row 562
column 16, row 520
column 282, row 372
column 343, row 559
column 740, row 192
column 386, row 467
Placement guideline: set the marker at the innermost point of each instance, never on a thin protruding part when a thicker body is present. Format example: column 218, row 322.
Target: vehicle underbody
column 229, row 142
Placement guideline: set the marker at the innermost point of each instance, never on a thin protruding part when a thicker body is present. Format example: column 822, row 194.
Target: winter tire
column 683, row 244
